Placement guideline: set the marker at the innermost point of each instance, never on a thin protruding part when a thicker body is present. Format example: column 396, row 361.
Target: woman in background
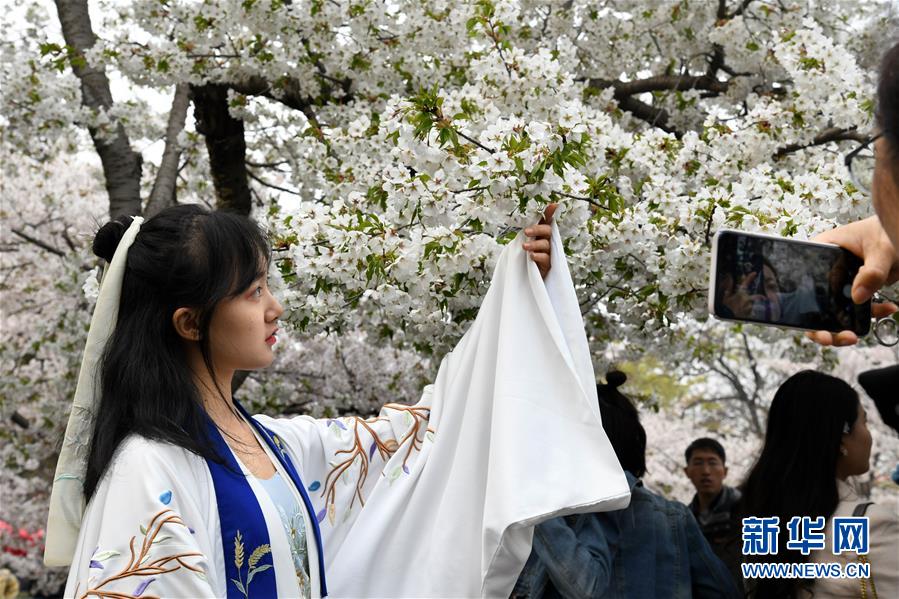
column 817, row 437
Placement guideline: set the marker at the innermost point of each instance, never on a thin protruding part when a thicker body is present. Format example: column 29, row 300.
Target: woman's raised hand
column 538, row 245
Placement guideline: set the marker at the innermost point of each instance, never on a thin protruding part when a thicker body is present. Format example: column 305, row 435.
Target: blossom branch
column 827, row 136
column 139, row 566
column 472, row 140
column 590, row 201
column 261, row 181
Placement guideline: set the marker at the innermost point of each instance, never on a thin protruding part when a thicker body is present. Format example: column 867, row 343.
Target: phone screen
column 787, row 283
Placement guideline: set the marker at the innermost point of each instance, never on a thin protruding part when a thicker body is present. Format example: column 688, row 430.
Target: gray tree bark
column 163, row 193
column 226, row 146
column 121, row 164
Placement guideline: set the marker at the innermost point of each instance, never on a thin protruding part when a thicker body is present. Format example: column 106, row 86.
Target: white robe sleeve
column 439, row 499
column 149, row 528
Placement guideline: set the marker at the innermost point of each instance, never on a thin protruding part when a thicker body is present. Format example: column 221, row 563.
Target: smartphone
column 785, row 283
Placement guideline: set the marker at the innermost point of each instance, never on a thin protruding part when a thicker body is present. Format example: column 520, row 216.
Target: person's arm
column 579, row 564
column 144, row 533
column 709, row 576
column 867, row 240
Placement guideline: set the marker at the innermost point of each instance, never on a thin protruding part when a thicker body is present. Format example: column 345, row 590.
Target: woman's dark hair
column 621, row 422
column 888, row 104
column 185, row 256
column 795, row 474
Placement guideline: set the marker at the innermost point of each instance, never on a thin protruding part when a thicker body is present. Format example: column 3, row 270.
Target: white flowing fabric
column 67, row 496
column 517, row 439
column 509, row 435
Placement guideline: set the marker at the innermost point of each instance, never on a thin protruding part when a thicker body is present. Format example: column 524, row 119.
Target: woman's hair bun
column 615, row 378
column 108, row 237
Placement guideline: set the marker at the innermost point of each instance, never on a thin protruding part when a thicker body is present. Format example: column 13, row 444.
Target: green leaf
column 255, row 571
column 49, row 48
column 105, row 555
column 359, row 62
column 202, row 23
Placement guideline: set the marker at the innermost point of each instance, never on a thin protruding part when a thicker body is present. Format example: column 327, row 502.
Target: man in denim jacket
column 652, row 549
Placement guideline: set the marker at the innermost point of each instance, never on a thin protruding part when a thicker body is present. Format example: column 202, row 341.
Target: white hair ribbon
column 67, row 496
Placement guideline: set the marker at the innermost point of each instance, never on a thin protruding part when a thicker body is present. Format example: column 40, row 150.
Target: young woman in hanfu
column 166, row 487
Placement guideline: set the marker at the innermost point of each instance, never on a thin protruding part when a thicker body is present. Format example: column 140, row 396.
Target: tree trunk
column 226, row 146
column 163, row 193
column 121, row 164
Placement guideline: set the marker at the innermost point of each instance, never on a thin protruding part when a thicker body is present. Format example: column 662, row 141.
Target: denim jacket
column 653, row 548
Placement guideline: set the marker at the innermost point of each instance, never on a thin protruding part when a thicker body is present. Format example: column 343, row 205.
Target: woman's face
column 242, row 330
column 885, row 190
column 855, row 447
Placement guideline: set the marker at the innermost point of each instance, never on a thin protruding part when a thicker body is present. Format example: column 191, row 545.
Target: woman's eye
column 257, row 292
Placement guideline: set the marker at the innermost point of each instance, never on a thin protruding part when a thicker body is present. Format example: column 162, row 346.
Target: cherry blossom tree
column 48, row 207
column 396, row 146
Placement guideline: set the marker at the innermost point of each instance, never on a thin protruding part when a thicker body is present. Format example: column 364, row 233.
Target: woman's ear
column 186, row 325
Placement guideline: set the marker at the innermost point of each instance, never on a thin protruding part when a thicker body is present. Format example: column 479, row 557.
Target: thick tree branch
column 826, row 136
column 226, row 146
column 740, row 9
column 290, row 94
column 753, row 366
column 722, row 10
column 662, row 83
column 163, row 192
column 20, row 420
column 658, row 117
column 744, row 397
column 121, row 164
column 724, row 15
column 624, row 91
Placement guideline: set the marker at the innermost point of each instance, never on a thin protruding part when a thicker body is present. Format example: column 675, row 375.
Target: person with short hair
column 713, row 502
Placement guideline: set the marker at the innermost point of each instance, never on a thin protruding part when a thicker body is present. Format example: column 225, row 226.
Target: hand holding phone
column 786, row 283
column 868, row 240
